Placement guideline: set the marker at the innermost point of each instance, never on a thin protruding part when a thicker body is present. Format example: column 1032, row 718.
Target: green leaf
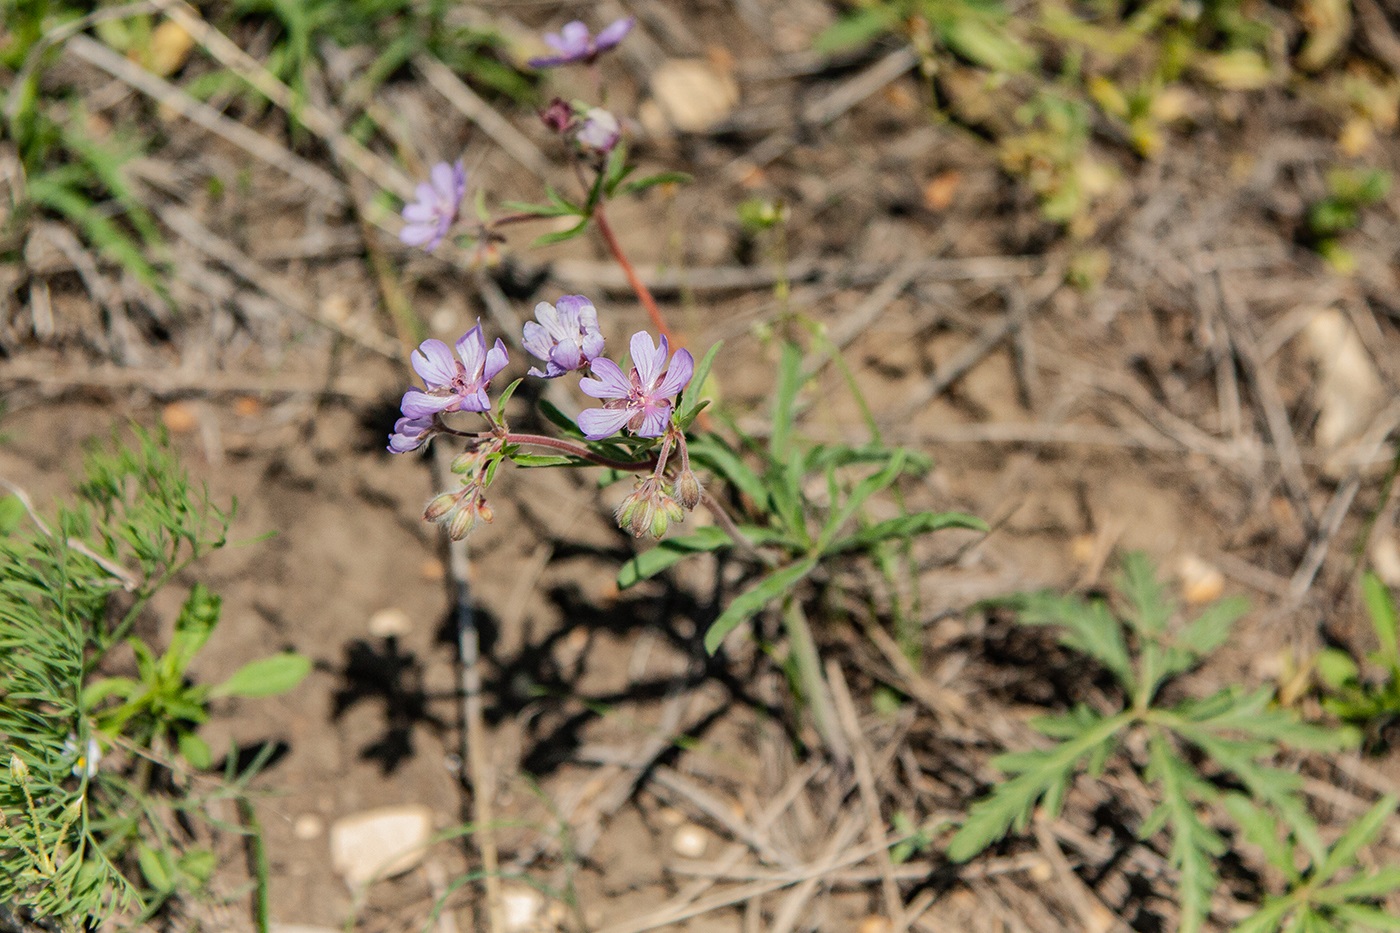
column 858, row 497
column 546, row 460
column 505, row 397
column 195, row 750
column 557, row 418
column 1194, row 845
column 905, row 526
column 1262, row 830
column 266, row 677
column 862, row 26
column 1267, row 918
column 559, row 236
column 1364, row 917
column 1150, row 607
column 1088, row 627
column 986, row 43
column 1012, row 801
column 789, row 382
column 1381, row 605
column 1378, row 883
column 1336, row 669
column 669, row 552
column 751, row 601
column 155, row 868
column 193, row 627
column 651, row 181
column 1357, row 836
column 1212, row 627
column 689, row 403
column 12, row 512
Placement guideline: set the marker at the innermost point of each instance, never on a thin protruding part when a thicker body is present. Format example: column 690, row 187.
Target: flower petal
column 647, row 360
column 535, row 340
column 471, row 347
column 419, row 213
column 655, row 418
column 496, row 359
column 612, row 34
column 598, row 423
column 418, row 234
column 607, row 382
column 592, row 344
column 419, row 404
column 677, row 376
column 567, row 355
column 548, row 317
column 574, row 37
column 444, row 184
column 433, row 361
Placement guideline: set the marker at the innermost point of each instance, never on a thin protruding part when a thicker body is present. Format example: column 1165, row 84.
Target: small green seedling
column 1369, row 705
column 1333, row 894
column 1230, row 734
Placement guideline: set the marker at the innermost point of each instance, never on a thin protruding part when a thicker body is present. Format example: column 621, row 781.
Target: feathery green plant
column 87, row 779
column 1229, row 735
column 1318, row 899
column 1368, row 705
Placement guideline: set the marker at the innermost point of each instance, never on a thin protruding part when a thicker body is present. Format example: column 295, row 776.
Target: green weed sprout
column 1368, row 705
column 1230, row 733
column 1349, row 191
column 88, row 775
column 1318, row 900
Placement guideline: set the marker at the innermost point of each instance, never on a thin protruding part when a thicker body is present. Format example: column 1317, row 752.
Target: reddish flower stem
column 638, row 286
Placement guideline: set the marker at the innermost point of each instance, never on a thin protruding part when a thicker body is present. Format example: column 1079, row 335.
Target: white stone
column 381, row 843
column 390, row 623
column 690, row 841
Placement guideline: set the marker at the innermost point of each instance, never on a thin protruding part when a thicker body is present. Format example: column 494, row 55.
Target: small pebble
column 390, row 623
column 380, row 843
column 308, row 826
column 689, row 841
column 179, row 418
column 521, row 907
column 1200, row 582
column 875, row 924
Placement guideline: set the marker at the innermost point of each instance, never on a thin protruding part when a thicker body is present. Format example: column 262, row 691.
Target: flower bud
column 558, row 116
column 465, row 462
column 18, row 769
column 688, row 490
column 440, row 505
column 463, row 521
column 484, row 510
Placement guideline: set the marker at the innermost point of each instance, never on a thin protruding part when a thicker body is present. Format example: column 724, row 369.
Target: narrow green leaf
column 1357, row 836
column 195, row 750
column 748, row 603
column 557, row 418
column 862, row 26
column 689, row 403
column 651, row 181
column 858, row 496
column 670, row 552
column 12, row 512
column 1378, row 883
column 905, row 526
column 1381, row 606
column 559, row 236
column 1267, row 918
column 1364, row 917
column 546, row 460
column 265, row 677
column 789, row 382
column 1150, row 607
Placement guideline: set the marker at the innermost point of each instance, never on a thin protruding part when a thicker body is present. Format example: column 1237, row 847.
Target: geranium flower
column 411, row 433
column 573, row 43
column 566, row 336
column 453, row 385
column 428, row 219
column 600, row 130
column 641, row 400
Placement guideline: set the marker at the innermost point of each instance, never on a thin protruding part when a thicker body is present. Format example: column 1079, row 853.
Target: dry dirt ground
column 1171, row 406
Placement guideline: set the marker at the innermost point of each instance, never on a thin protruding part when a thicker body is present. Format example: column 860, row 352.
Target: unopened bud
column 440, row 505
column 463, row 521
column 558, row 116
column 18, row 769
column 688, row 490
column 465, row 462
column 484, row 510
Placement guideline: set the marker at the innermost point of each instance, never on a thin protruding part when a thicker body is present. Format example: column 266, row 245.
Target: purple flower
column 567, row 337
column 639, row 401
column 411, row 433
column 453, row 386
column 573, row 43
column 428, row 219
column 600, row 130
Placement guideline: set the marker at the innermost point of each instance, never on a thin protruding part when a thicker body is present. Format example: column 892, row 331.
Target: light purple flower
column 600, row 130
column 567, row 337
column 639, row 401
column 411, row 433
column 453, row 385
column 428, row 219
column 573, row 43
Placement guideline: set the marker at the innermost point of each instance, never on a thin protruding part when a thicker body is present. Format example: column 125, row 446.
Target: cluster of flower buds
column 461, row 510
